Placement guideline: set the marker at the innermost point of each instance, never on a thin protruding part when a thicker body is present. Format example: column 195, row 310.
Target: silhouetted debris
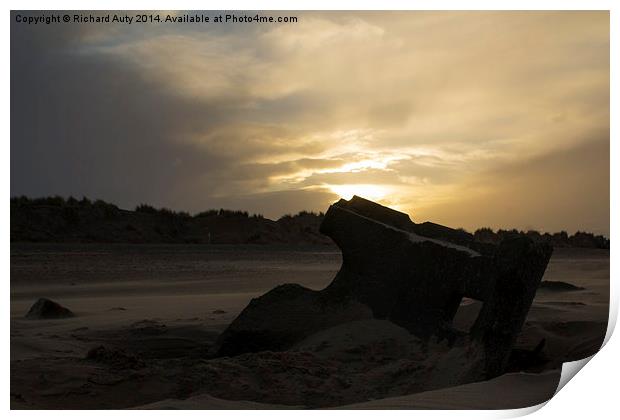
column 48, row 309
column 218, row 312
column 518, row 267
column 559, row 286
column 390, row 270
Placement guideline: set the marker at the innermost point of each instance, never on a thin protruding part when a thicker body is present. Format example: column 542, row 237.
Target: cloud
column 432, row 107
column 541, row 193
column 93, row 126
column 278, row 203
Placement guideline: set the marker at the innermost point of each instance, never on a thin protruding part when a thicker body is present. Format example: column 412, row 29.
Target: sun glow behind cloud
column 369, row 191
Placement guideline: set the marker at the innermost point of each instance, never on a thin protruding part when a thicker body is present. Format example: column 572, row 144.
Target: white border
column 592, row 394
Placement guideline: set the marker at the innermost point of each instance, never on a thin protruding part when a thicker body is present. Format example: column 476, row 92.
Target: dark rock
column 414, row 275
column 559, row 286
column 218, row 312
column 48, row 309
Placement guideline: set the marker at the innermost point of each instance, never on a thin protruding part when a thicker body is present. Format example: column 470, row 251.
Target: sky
column 467, row 119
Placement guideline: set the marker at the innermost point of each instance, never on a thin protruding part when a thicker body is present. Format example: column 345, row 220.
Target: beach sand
column 157, row 309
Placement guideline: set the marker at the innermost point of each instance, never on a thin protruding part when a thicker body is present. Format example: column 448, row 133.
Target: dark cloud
column 84, row 126
column 92, row 125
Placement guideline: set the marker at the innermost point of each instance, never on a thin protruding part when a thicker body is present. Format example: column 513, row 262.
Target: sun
column 369, row 191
